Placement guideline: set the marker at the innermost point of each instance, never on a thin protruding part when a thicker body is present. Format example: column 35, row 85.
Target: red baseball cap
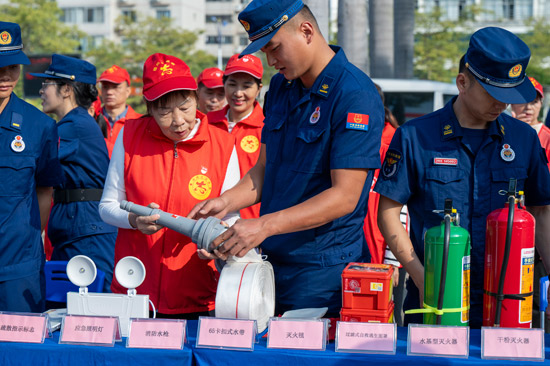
column 115, row 74
column 537, row 86
column 163, row 74
column 249, row 64
column 211, row 78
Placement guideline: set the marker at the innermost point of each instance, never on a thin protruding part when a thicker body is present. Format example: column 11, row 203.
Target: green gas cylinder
column 455, row 302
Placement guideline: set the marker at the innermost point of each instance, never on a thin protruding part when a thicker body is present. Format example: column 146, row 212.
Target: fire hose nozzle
column 202, row 231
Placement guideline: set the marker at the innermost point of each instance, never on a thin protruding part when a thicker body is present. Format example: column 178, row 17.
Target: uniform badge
column 200, row 186
column 515, row 71
column 245, row 24
column 17, row 144
column 250, row 144
column 5, row 38
column 314, row 118
column 507, row 154
column 203, row 169
column 391, row 163
column 447, row 130
column 357, row 121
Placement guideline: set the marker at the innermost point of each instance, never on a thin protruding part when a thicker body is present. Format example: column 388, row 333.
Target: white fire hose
column 246, row 290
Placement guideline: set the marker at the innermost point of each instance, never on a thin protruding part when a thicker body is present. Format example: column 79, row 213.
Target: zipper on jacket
column 175, row 149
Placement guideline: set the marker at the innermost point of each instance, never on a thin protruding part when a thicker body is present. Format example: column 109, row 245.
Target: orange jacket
column 248, row 134
column 176, row 176
column 112, row 132
column 544, row 137
column 375, row 240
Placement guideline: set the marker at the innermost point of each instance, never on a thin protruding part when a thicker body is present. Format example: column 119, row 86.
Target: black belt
column 77, row 195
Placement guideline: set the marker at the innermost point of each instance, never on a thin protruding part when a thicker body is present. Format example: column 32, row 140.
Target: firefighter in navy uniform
column 466, row 151
column 29, row 168
column 319, row 148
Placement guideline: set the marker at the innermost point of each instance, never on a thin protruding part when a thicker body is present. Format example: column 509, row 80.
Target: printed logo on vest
column 200, row 186
column 250, row 144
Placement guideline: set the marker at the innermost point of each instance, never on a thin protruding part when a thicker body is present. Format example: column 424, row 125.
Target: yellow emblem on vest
column 250, row 144
column 200, row 187
column 5, row 38
column 515, row 71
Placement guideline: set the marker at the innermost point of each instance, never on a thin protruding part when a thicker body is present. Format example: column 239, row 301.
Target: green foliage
column 537, row 40
column 41, row 29
column 143, row 38
column 438, row 46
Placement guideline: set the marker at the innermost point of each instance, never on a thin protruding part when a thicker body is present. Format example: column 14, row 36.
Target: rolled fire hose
column 246, row 290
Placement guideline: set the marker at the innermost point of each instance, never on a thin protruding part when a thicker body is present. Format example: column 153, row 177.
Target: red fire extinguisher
column 509, row 264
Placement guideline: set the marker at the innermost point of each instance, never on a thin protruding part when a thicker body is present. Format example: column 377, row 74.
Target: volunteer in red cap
column 210, row 90
column 243, row 116
column 529, row 113
column 169, row 159
column 115, row 90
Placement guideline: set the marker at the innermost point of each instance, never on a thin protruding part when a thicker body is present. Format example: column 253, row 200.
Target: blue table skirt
column 52, row 353
column 273, row 357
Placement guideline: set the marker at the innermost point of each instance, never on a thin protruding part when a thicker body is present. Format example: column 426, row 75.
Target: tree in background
column 41, row 28
column 438, row 46
column 141, row 39
column 537, row 40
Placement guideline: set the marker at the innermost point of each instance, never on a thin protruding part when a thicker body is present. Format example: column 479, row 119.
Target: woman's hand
column 146, row 224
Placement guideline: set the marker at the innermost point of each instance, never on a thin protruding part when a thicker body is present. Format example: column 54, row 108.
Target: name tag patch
column 357, row 121
column 446, row 161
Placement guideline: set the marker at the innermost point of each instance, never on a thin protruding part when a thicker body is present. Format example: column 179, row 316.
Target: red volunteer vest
column 544, row 137
column 375, row 240
column 176, row 176
column 247, row 133
column 112, row 132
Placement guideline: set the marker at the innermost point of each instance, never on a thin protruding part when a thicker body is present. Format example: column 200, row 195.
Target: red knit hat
column 211, row 78
column 163, row 74
column 249, row 64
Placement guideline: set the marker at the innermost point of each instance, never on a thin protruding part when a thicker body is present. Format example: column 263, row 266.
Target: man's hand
column 240, row 238
column 146, row 224
column 216, row 207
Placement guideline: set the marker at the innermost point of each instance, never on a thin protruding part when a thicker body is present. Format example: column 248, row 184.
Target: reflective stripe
column 11, row 48
column 270, row 29
column 49, row 72
column 494, row 83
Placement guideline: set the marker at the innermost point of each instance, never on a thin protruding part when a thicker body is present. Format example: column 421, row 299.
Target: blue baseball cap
column 261, row 19
column 11, row 45
column 498, row 59
column 65, row 67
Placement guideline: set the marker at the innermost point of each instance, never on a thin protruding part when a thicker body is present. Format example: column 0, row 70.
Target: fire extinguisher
column 509, row 264
column 446, row 272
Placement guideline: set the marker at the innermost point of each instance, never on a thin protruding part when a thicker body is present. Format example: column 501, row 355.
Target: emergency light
column 129, row 272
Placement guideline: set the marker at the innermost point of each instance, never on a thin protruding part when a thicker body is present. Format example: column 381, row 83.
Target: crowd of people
column 315, row 179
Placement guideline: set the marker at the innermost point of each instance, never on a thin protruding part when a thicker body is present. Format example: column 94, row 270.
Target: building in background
column 98, row 18
column 509, row 14
column 214, row 20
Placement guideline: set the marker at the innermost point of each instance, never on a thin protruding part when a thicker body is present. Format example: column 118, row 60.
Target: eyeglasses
column 45, row 84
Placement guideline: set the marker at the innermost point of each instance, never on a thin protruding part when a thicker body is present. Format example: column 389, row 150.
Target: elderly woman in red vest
column 243, row 116
column 170, row 158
